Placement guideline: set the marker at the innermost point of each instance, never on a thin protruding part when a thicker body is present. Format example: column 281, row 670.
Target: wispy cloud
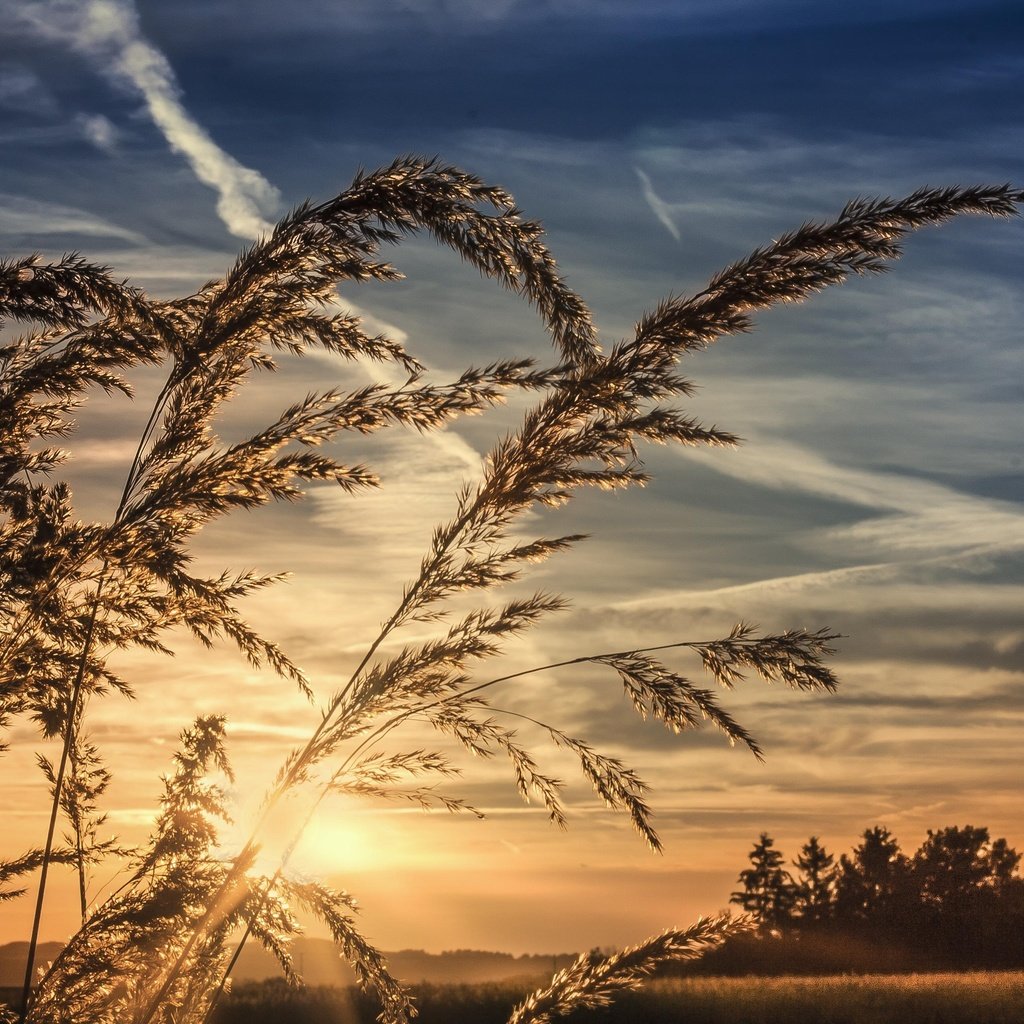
column 108, row 31
column 661, row 209
column 100, row 131
column 21, row 90
column 420, row 477
column 32, row 218
column 914, row 517
column 775, row 587
column 477, row 16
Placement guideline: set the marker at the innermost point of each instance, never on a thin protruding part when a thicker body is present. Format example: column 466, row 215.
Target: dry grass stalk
column 71, row 593
column 593, row 980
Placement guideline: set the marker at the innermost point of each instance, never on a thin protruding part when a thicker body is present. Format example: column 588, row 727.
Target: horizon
column 879, row 490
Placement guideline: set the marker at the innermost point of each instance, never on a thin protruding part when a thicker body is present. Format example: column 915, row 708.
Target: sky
column 879, row 490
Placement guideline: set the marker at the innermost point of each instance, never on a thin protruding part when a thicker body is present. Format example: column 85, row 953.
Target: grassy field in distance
column 968, row 998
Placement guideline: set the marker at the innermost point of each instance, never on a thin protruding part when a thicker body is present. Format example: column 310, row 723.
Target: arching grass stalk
column 721, row 657
column 311, row 250
column 160, row 946
column 585, row 433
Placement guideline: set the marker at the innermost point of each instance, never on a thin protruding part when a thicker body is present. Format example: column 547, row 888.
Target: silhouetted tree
column 956, row 868
column 815, row 885
column 961, row 878
column 768, row 892
column 872, row 885
column 957, row 903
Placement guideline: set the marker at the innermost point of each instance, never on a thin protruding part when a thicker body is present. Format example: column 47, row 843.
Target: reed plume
column 161, row 947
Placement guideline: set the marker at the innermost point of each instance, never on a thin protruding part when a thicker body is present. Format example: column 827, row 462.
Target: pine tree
column 769, row 892
column 873, row 885
column 956, row 868
column 959, row 876
column 815, row 887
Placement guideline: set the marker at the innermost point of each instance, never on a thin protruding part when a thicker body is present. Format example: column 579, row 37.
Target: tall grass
column 161, row 947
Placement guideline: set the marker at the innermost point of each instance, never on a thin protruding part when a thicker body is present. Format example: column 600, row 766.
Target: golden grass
column 977, row 997
column 954, row 998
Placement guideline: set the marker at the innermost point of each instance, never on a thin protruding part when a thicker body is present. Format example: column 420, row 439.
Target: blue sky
column 880, row 490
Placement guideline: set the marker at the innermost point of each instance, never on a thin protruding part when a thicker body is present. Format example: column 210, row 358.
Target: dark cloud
column 973, row 703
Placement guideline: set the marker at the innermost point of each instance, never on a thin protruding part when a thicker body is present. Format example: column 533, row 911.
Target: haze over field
column 879, row 491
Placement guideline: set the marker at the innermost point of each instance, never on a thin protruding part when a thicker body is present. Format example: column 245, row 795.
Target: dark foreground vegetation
column 975, row 998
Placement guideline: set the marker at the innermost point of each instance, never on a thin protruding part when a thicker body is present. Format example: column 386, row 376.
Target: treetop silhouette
column 957, row 902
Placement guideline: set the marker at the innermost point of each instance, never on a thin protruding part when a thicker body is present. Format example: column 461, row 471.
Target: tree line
column 956, row 902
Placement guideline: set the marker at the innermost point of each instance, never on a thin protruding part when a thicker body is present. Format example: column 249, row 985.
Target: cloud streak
column 32, row 218
column 109, row 33
column 661, row 209
column 919, row 518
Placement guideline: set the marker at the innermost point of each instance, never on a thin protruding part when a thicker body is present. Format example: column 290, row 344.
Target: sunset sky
column 879, row 490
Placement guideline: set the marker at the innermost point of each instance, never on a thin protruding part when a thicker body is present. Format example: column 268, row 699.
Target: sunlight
column 281, row 826
column 339, row 843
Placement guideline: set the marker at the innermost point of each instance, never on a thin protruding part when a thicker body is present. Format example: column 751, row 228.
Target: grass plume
column 71, row 593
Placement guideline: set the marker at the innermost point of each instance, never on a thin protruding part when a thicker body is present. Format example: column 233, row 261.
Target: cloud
column 662, row 210
column 108, row 32
column 31, row 218
column 798, row 583
column 100, row 131
column 21, row 90
column 420, row 478
column 462, row 17
column 104, row 453
column 244, row 195
column 914, row 518
column 476, row 10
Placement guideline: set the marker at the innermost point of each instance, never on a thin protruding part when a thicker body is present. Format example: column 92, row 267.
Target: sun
column 339, row 841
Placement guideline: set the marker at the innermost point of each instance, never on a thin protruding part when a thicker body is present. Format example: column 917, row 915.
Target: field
column 970, row 998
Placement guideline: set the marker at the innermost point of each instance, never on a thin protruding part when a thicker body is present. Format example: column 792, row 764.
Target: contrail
column 109, row 33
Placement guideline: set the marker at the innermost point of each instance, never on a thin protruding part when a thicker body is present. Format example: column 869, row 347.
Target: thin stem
column 222, row 984
column 58, row 785
column 283, row 863
column 217, row 904
column 73, row 709
column 397, row 720
column 76, row 822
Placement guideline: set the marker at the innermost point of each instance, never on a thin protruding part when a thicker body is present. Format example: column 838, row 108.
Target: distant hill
column 318, row 962
column 12, row 960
